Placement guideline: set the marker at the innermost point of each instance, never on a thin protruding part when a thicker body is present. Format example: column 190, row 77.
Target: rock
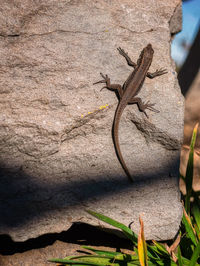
column 176, row 20
column 57, row 154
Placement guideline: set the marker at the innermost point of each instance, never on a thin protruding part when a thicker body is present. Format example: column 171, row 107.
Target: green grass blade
column 152, row 252
column 189, row 228
column 161, row 249
column 96, row 260
column 195, row 255
column 89, row 257
column 65, row 261
column 180, row 262
column 186, row 262
column 189, row 171
column 197, row 231
column 112, row 254
column 127, row 231
column 121, row 257
column 196, row 214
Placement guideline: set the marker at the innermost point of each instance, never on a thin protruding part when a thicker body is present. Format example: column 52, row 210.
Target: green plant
column 185, row 250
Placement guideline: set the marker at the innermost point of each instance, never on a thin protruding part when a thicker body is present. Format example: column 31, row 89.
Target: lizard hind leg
column 149, row 106
column 105, row 79
column 142, row 106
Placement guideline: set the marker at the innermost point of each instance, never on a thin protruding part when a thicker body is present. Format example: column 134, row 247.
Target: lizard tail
column 115, row 131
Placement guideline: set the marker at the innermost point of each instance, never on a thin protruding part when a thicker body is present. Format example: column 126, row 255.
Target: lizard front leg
column 142, row 106
column 110, row 86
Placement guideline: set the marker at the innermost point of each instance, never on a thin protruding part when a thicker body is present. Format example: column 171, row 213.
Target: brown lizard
column 129, row 90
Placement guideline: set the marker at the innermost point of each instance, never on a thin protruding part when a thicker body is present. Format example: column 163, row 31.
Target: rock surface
column 57, row 155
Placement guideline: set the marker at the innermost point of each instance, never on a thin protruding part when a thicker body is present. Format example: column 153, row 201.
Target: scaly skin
column 130, row 89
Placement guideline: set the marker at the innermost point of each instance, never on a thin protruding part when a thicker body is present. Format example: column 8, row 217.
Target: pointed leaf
column 127, row 231
column 161, row 249
column 180, row 262
column 102, row 252
column 142, row 247
column 65, row 261
column 195, row 255
column 196, row 214
column 189, row 228
column 189, row 170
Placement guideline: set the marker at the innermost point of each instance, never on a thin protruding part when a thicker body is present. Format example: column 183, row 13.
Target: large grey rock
column 57, row 155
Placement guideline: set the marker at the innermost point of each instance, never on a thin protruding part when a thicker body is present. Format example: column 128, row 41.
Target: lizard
column 127, row 93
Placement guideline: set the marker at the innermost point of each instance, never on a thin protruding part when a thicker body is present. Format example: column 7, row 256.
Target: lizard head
column 146, row 54
column 148, row 50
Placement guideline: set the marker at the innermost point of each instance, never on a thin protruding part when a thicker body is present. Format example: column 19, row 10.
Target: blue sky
column 191, row 21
